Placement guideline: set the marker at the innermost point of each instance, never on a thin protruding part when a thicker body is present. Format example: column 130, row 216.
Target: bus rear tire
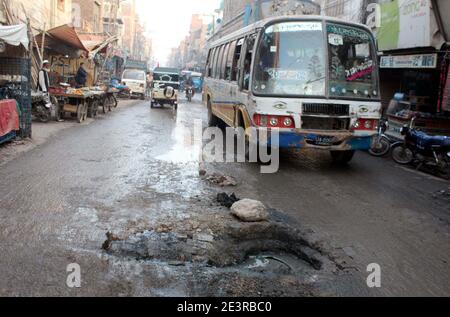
column 342, row 157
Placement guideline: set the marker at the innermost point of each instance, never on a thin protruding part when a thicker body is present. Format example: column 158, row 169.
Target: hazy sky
column 168, row 21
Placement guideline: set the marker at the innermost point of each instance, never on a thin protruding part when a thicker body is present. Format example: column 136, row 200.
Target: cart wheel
column 94, row 109
column 91, row 105
column 80, row 114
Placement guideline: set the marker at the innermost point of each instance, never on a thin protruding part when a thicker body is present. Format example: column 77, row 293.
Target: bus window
column 248, row 62
column 217, row 64
column 224, row 61
column 352, row 61
column 213, row 62
column 237, row 57
column 229, row 63
column 210, row 62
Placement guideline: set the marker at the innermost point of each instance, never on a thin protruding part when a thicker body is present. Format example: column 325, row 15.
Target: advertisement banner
column 404, row 24
column 409, row 61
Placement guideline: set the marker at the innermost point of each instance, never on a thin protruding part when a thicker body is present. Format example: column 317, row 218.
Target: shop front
column 414, row 59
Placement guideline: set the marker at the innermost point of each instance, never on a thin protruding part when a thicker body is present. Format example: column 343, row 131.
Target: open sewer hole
column 266, row 246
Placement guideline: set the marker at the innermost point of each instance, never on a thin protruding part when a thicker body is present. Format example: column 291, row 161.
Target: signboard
column 409, row 61
column 404, row 24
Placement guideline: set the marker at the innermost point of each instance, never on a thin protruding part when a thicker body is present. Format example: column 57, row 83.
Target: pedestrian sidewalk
column 43, row 132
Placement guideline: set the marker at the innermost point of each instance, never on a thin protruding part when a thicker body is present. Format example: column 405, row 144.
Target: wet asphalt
column 134, row 168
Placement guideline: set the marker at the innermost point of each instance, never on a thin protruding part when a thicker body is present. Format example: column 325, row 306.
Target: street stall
column 68, row 53
column 15, row 82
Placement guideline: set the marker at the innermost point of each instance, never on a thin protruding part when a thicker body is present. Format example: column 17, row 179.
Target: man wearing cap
column 44, row 82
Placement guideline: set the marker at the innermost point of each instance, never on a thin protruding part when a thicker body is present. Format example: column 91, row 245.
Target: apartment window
column 335, row 8
column 61, row 5
column 96, row 22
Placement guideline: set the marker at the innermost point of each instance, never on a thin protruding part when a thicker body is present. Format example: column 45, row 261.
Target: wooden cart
column 76, row 105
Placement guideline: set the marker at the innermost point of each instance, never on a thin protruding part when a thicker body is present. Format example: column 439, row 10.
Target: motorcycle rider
column 190, row 84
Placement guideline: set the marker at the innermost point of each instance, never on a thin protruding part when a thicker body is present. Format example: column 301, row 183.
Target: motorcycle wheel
column 44, row 118
column 380, row 147
column 401, row 154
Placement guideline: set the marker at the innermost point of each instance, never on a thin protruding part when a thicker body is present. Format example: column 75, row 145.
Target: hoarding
column 404, row 24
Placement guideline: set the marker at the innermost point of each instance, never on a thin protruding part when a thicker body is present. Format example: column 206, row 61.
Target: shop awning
column 96, row 44
column 64, row 34
column 15, row 35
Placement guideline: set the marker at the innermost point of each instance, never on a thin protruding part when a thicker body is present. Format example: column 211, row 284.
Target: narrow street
column 132, row 174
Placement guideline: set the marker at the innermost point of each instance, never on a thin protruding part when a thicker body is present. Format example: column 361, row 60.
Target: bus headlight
column 268, row 121
column 288, row 122
column 274, row 122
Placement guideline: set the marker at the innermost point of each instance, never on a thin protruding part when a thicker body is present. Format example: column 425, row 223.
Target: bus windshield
column 352, row 62
column 291, row 60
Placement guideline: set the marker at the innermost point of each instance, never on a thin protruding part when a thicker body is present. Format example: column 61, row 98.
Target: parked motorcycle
column 122, row 91
column 422, row 149
column 42, row 106
column 381, row 143
column 189, row 93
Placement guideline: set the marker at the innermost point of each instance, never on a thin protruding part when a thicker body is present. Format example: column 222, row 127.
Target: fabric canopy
column 15, row 35
column 65, row 34
column 9, row 118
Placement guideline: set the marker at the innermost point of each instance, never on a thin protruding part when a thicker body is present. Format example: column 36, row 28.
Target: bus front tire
column 342, row 157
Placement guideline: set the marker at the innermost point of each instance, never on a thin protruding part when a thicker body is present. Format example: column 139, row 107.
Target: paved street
column 132, row 172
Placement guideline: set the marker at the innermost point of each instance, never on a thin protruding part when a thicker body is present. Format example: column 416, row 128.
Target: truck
column 135, row 77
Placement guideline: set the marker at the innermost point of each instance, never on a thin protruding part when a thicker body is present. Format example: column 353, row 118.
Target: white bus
column 314, row 78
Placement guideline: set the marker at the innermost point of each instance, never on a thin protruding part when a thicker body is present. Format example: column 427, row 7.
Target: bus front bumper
column 322, row 141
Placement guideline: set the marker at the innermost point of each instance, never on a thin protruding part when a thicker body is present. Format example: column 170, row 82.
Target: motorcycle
column 422, row 149
column 189, row 93
column 381, row 143
column 43, row 106
column 121, row 91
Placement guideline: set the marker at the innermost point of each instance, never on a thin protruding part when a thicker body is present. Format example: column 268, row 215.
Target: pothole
column 230, row 243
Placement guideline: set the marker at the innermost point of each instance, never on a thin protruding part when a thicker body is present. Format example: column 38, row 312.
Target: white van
column 136, row 80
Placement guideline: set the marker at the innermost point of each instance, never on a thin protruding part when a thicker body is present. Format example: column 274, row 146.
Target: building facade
column 43, row 14
column 87, row 16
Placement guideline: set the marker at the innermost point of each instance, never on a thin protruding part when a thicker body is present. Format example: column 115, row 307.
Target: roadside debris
column 219, row 179
column 248, row 210
column 163, row 229
column 226, row 200
column 110, row 239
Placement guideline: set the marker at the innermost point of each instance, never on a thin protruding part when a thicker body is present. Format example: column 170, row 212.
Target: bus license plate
column 322, row 140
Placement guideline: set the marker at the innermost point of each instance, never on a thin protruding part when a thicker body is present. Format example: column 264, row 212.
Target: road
column 133, row 171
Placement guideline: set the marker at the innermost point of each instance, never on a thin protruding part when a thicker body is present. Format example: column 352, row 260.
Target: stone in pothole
column 248, row 210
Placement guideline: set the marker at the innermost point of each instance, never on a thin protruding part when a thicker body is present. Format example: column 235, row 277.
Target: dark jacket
column 81, row 76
